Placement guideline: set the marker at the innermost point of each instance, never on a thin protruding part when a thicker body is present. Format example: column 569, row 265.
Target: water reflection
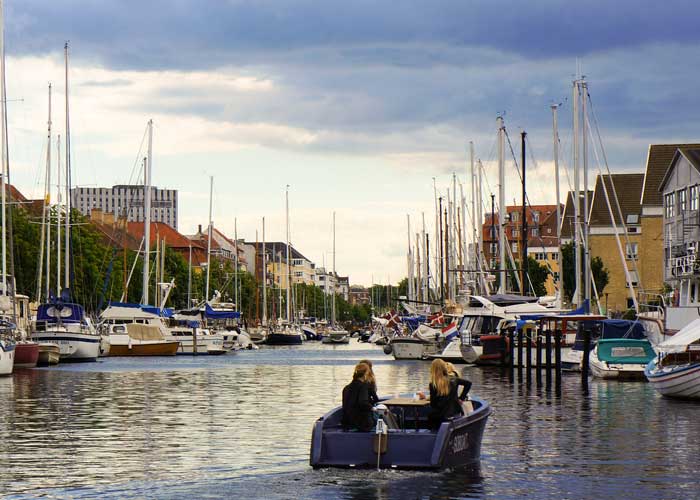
column 239, row 426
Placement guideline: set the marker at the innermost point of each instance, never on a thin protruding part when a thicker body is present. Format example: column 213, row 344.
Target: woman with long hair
column 444, row 401
column 374, row 399
column 357, row 405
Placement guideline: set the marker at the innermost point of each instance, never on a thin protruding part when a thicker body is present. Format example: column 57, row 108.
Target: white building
column 127, row 200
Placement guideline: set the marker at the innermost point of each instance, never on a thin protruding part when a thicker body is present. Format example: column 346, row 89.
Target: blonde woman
column 444, row 402
column 374, row 399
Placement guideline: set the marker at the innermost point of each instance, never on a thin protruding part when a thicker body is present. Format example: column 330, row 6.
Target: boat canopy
column 679, row 342
column 60, row 311
column 212, row 314
column 503, row 299
column 625, row 351
column 164, row 312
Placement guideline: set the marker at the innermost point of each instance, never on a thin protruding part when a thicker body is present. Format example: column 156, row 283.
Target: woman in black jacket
column 444, row 401
column 357, row 401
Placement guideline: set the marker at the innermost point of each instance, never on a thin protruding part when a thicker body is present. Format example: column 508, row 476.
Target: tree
column 568, row 271
column 537, row 274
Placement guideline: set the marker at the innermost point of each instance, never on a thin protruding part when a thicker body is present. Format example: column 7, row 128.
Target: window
column 535, row 217
column 633, row 219
column 694, row 197
column 670, row 203
column 549, row 230
column 634, row 278
column 682, row 206
column 514, row 246
column 555, row 256
column 540, row 256
column 535, row 231
column 514, row 216
column 494, row 249
column 632, row 250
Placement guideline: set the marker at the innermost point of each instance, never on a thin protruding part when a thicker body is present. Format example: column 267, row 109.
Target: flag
column 450, row 331
column 436, row 319
column 393, row 318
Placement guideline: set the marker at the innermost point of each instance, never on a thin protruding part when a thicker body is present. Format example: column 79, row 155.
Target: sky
column 356, row 106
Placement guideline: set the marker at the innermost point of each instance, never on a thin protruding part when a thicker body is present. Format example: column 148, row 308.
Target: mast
column 501, row 204
column 442, row 276
column 46, row 228
column 409, row 256
column 264, row 276
column 147, row 166
column 189, row 277
column 577, row 198
column 209, row 231
column 523, row 265
column 425, row 284
column 480, row 221
column 289, row 272
column 584, row 147
column 335, row 276
column 66, row 265
column 3, row 131
column 235, row 261
column 59, row 199
column 555, row 139
column 475, row 238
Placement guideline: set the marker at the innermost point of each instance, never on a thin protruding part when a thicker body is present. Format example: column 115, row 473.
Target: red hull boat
column 26, row 354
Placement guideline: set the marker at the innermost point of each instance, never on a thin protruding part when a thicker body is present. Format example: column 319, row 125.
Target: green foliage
column 538, row 275
column 600, row 273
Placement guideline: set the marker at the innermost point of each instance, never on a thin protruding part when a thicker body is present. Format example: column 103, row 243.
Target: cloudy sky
column 356, row 106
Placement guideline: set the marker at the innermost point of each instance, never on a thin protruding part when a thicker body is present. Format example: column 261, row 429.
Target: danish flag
column 436, row 319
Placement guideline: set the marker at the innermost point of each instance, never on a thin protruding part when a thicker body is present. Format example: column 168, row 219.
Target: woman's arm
column 363, row 398
column 466, row 385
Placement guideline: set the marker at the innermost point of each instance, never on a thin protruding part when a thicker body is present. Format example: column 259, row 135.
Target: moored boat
column 622, row 359
column 140, row 340
column 451, row 353
column 335, row 336
column 65, row 324
column 7, row 356
column 26, row 354
column 675, row 372
column 457, row 442
column 285, row 335
column 49, row 354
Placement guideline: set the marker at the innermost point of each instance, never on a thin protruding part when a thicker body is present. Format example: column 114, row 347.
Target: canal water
column 239, row 426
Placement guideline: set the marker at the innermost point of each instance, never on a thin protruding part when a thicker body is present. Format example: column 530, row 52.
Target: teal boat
column 621, row 358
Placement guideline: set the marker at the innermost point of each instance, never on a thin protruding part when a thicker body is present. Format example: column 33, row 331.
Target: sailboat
column 335, row 334
column 286, row 333
column 60, row 320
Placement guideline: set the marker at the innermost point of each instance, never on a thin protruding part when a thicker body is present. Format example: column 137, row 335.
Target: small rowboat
column 412, row 445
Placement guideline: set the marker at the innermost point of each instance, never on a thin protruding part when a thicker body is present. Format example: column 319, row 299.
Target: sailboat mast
column 46, row 224
column 501, row 205
column 264, row 276
column 289, row 272
column 3, row 178
column 409, row 256
column 474, row 254
column 555, row 139
column 335, row 276
column 235, row 261
column 577, row 198
column 147, row 166
column 66, row 265
column 209, row 231
column 584, row 150
column 59, row 198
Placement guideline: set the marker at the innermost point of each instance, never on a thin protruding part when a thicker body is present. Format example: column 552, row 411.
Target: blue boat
column 457, row 442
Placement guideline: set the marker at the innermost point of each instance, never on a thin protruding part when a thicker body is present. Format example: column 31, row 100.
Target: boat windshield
column 475, row 326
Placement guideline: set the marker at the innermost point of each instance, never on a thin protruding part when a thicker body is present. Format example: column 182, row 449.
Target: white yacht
column 7, row 356
column 66, row 325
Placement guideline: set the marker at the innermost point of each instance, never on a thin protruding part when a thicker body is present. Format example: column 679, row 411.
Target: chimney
column 199, row 231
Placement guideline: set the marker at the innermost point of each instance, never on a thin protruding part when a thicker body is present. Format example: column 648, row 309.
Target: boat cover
column 426, row 334
column 165, row 312
column 66, row 312
column 680, row 341
column 143, row 332
column 625, row 351
column 212, row 314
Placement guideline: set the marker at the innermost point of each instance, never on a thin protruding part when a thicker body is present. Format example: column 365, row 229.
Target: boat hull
column 452, row 353
column 7, row 358
column 152, row 349
column 26, row 354
column 404, row 349
column 73, row 346
column 679, row 381
column 284, row 339
column 456, row 442
column 49, row 354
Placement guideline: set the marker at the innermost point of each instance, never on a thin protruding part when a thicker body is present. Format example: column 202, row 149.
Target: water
column 238, row 426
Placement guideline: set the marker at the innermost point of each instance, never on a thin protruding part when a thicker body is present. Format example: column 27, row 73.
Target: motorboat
column 26, row 351
column 49, row 354
column 285, row 334
column 65, row 324
column 622, row 359
column 257, row 334
column 451, row 353
column 136, row 330
column 336, row 336
column 675, row 371
column 420, row 344
column 26, row 354
column 457, row 442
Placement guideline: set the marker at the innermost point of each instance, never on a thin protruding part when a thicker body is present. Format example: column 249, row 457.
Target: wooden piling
column 538, row 361
column 586, row 357
column 520, row 354
column 194, row 340
column 528, row 354
column 557, row 357
column 548, row 357
column 511, row 353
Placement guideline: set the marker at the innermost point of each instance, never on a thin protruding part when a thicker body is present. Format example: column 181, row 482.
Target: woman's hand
column 421, row 395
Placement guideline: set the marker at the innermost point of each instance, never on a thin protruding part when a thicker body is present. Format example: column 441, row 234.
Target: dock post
column 528, row 354
column 586, row 357
column 538, row 361
column 520, row 354
column 557, row 357
column 511, row 353
column 194, row 340
column 548, row 357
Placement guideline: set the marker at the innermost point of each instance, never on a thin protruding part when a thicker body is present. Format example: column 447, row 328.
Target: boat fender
column 380, row 442
column 388, row 349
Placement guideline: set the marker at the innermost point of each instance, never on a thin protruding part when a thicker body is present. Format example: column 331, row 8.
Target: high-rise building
column 127, row 201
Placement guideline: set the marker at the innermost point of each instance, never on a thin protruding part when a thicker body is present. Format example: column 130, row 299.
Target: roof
column 280, row 246
column 162, row 231
column 628, row 188
column 659, row 159
column 568, row 215
column 690, row 154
